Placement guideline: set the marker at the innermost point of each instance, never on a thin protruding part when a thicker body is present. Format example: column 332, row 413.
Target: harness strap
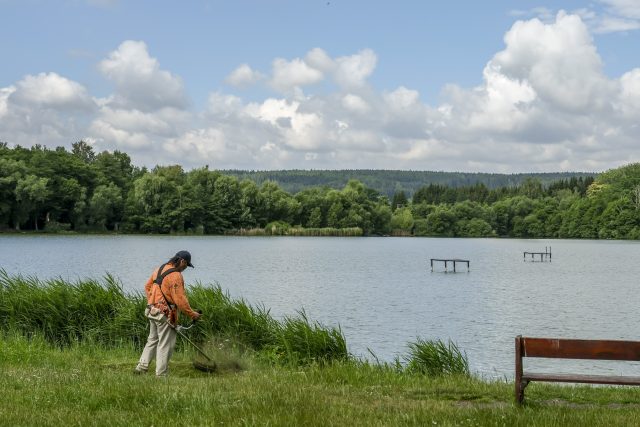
column 158, row 281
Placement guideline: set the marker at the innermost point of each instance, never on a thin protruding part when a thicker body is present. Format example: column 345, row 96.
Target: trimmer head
column 205, row 366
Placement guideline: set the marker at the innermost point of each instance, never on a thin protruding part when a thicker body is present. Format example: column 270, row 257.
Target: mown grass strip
column 89, row 384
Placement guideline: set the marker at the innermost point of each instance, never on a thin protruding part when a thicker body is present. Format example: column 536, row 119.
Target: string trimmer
column 210, row 366
column 159, row 316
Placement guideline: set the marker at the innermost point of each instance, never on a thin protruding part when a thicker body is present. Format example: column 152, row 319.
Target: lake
column 381, row 291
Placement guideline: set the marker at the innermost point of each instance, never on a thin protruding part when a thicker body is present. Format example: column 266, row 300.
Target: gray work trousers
column 160, row 344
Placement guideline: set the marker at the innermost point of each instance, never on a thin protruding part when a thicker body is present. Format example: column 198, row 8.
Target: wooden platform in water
column 453, row 261
column 544, row 256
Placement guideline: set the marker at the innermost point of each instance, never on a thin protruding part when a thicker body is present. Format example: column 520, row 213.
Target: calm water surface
column 381, row 290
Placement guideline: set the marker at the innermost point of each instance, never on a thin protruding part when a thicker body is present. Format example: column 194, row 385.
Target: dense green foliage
column 57, row 190
column 65, row 313
column 390, row 182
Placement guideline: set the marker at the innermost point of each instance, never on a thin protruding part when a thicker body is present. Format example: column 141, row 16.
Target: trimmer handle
column 193, row 322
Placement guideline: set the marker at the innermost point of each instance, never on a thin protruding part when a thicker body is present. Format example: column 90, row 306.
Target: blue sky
column 489, row 86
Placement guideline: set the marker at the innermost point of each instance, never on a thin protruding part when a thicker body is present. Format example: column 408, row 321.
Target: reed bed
column 401, row 233
column 282, row 230
column 101, row 312
column 246, row 232
column 326, row 231
column 436, row 358
column 65, row 312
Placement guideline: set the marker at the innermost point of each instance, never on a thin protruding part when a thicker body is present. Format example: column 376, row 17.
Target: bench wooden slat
column 580, row 349
column 572, row 349
column 588, row 379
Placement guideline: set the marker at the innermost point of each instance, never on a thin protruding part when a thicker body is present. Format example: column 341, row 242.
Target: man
column 165, row 295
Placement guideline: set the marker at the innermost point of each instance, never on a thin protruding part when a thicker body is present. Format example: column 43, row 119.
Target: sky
column 492, row 86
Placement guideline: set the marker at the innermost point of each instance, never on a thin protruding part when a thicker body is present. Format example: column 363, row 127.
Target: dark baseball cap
column 185, row 255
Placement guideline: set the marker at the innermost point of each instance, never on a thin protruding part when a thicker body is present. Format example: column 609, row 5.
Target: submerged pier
column 544, row 256
column 453, row 261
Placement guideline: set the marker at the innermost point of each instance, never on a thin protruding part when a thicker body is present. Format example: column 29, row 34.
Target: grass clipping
column 226, row 357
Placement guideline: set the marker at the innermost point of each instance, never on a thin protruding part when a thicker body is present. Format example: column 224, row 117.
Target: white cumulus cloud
column 544, row 104
column 353, row 71
column 243, row 76
column 140, row 83
column 355, row 103
column 50, row 90
column 288, row 75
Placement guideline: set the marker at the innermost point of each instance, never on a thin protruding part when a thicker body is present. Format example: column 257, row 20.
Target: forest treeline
column 390, row 182
column 79, row 190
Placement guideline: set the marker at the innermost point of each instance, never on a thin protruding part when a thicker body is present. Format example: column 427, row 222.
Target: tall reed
column 102, row 312
column 280, row 230
column 435, row 358
column 65, row 312
column 304, row 342
column 326, row 231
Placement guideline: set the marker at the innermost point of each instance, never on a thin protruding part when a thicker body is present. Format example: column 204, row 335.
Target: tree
column 30, row 192
column 311, row 200
column 197, row 203
column 334, row 216
column 104, row 206
column 279, row 205
column 11, row 171
column 531, row 188
column 381, row 217
column 635, row 195
column 315, row 218
column 79, row 212
column 83, row 151
column 475, row 227
column 252, row 204
column 399, row 200
column 441, row 222
column 618, row 219
column 115, row 168
column 226, row 205
column 151, row 203
column 402, row 219
column 422, row 209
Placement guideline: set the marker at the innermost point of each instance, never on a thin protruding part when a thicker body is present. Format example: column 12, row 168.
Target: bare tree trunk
column 636, row 196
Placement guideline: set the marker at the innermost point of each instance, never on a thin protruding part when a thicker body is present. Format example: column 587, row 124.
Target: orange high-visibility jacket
column 173, row 289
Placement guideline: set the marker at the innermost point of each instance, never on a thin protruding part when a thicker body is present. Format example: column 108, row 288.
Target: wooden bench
column 572, row 349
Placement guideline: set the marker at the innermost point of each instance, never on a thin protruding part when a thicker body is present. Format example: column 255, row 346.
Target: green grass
column 88, row 384
column 100, row 312
column 67, row 352
column 436, row 358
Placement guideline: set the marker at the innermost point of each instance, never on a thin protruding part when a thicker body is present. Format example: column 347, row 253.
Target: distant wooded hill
column 390, row 182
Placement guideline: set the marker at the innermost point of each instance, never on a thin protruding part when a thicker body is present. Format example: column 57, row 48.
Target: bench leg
column 519, row 383
column 520, row 386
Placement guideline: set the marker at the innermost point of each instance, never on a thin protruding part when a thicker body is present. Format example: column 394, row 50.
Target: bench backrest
column 578, row 349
